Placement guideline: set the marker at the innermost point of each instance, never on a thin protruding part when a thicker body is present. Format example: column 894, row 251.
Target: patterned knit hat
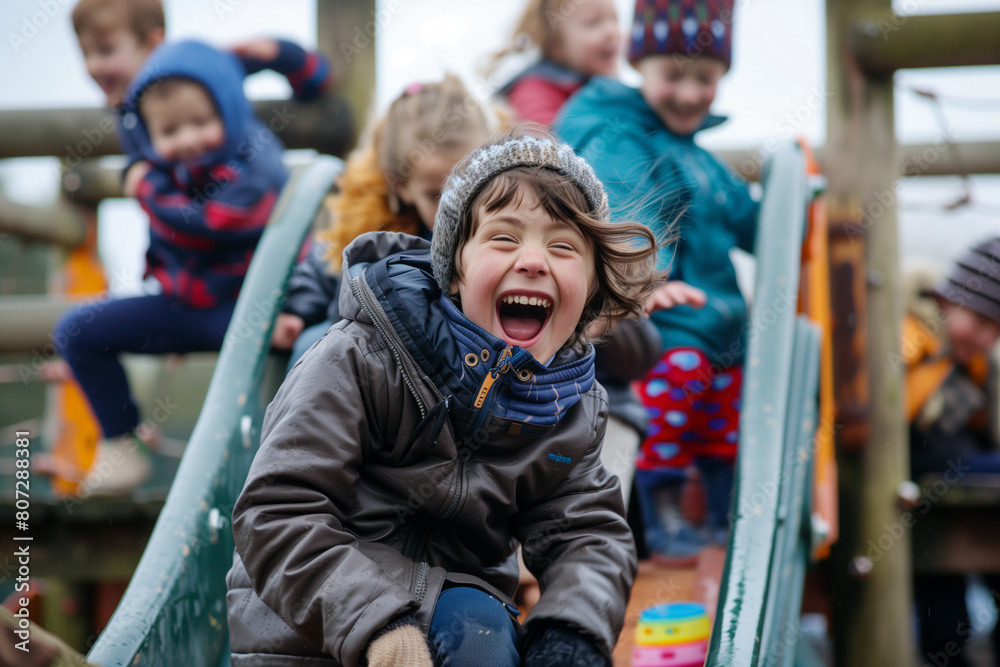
column 687, row 27
column 974, row 280
column 481, row 166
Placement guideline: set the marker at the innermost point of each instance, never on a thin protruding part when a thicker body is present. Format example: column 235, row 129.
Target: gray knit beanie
column 481, row 166
column 974, row 280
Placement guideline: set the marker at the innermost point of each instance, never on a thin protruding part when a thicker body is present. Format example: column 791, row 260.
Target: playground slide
column 173, row 612
column 772, row 539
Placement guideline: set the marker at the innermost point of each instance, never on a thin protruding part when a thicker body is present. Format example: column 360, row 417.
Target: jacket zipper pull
column 491, row 377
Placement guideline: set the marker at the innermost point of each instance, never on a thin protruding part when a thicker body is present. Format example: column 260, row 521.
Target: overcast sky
column 776, row 84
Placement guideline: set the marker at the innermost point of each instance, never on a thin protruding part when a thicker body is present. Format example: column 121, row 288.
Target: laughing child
column 642, row 142
column 449, row 417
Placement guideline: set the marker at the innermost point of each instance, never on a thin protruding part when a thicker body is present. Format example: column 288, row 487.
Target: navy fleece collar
column 522, row 389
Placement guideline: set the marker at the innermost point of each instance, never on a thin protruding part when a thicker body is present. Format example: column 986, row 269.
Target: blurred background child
column 577, row 39
column 951, row 407
column 116, row 37
column 215, row 174
column 641, row 142
column 391, row 183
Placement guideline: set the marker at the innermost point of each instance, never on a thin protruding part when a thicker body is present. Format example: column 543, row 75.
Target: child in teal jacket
column 642, row 145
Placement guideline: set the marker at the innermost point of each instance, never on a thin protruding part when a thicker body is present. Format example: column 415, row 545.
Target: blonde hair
column 624, row 252
column 426, row 118
column 141, row 17
column 536, row 28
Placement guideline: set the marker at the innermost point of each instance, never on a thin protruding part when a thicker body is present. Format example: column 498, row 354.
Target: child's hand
column 399, row 643
column 262, row 49
column 286, row 329
column 133, row 177
column 675, row 293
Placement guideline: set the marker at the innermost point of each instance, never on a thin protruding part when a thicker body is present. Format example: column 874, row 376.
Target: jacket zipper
column 420, row 584
column 385, row 328
column 457, row 494
column 484, row 402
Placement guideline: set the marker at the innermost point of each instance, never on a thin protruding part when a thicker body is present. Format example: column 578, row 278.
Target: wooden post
column 347, row 32
column 872, row 617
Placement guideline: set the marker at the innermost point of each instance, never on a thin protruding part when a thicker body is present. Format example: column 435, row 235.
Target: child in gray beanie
column 951, row 408
column 449, row 418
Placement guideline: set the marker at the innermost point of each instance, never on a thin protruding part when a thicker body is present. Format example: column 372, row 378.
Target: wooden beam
column 72, row 135
column 872, row 622
column 58, row 224
column 28, row 322
column 933, row 159
column 883, row 45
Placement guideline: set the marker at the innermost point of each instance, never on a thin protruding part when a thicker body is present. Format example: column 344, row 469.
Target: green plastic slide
column 760, row 598
column 174, row 612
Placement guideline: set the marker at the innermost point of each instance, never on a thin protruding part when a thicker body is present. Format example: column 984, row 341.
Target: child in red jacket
column 578, row 39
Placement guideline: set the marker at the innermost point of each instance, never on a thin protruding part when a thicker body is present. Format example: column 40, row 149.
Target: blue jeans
column 471, row 628
column 92, row 335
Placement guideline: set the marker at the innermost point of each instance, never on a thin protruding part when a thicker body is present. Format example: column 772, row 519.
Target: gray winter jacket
column 371, row 488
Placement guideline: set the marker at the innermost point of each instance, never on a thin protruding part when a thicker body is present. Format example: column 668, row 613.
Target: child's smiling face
column 526, row 276
column 422, row 188
column 183, row 123
column 680, row 90
column 114, row 56
column 969, row 333
column 587, row 37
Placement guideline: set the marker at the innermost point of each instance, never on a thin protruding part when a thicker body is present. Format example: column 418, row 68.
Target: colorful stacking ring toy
column 672, row 635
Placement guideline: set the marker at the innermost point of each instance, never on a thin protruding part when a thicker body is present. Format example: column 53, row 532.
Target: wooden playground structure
column 823, row 426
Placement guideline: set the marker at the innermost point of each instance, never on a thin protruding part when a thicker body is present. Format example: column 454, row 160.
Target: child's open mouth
column 522, row 317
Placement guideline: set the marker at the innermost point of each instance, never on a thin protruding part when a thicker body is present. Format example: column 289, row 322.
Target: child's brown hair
column 425, row 118
column 530, row 161
column 141, row 17
column 624, row 252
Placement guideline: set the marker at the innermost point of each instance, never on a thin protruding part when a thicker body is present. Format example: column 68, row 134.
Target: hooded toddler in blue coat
column 208, row 200
column 207, row 212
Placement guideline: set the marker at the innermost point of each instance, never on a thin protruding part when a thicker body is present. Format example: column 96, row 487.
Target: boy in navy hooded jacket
column 215, row 174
